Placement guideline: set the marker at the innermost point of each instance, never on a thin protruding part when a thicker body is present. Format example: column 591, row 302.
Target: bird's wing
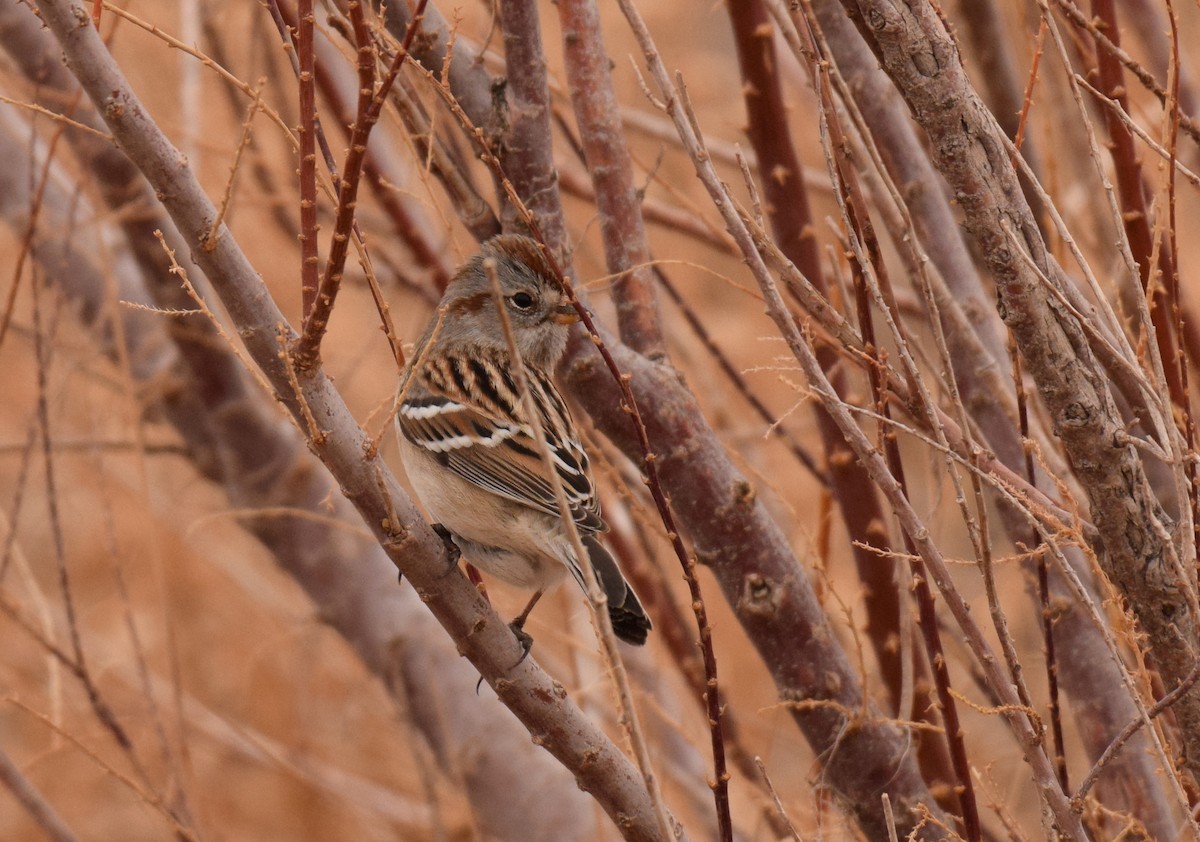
column 468, row 414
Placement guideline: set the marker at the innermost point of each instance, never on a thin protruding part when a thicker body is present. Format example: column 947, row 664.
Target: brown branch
column 1043, row 585
column 685, row 125
column 868, row 257
column 309, row 258
column 787, row 208
column 606, row 154
column 986, row 32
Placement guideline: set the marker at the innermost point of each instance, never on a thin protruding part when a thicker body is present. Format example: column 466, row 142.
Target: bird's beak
column 564, row 314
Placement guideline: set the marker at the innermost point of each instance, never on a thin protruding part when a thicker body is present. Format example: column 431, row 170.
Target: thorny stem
column 1136, row 213
column 287, row 33
column 1091, row 25
column 1043, row 583
column 785, row 193
column 920, row 581
column 370, row 105
column 309, row 259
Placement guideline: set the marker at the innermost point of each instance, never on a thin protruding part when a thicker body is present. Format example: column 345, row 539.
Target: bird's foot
column 517, row 627
column 452, row 550
column 523, row 637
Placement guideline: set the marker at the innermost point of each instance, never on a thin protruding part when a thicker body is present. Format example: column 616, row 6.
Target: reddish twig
column 1136, row 213
column 370, row 105
column 411, row 230
column 787, row 208
column 1108, row 45
column 859, row 222
column 309, row 258
column 1043, row 584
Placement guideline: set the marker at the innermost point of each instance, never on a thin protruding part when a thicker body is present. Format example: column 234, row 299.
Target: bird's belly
column 504, row 539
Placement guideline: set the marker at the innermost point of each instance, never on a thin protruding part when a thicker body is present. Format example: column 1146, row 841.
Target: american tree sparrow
column 467, row 444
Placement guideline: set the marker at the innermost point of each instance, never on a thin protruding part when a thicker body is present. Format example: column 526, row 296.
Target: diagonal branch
column 618, row 202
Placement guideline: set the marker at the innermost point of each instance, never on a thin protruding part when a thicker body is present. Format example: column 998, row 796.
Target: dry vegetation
column 823, row 280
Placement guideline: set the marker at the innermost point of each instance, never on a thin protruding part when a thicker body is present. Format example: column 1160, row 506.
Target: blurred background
column 222, row 698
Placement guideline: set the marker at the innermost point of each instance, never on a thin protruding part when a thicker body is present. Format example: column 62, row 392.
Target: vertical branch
column 787, row 209
column 1171, row 282
column 309, row 259
column 607, row 157
column 1043, row 586
column 370, row 104
column 526, row 158
column 860, row 226
column 1135, row 212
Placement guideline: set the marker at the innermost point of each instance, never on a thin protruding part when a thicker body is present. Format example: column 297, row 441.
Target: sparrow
column 469, row 448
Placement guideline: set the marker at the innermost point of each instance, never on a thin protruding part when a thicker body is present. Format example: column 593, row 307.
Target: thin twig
column 309, row 254
column 370, row 105
column 779, row 810
column 211, row 237
column 1129, row 730
column 39, row 809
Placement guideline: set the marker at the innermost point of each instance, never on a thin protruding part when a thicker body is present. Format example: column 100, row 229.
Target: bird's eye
column 522, row 300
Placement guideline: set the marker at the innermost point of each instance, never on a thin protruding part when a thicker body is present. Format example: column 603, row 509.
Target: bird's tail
column 629, row 619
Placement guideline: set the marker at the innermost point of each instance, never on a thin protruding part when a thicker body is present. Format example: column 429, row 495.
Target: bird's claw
column 451, row 548
column 517, row 627
column 523, row 637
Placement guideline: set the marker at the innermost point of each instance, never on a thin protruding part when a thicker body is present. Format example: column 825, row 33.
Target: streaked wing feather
column 482, row 437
